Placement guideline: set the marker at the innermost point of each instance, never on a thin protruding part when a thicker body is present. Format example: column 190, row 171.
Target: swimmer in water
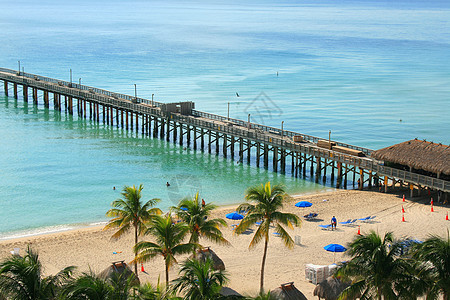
column 167, row 183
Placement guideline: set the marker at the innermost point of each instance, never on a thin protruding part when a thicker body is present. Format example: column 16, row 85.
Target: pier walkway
column 182, row 124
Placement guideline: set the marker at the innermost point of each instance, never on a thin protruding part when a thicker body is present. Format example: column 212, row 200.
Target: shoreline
column 49, row 230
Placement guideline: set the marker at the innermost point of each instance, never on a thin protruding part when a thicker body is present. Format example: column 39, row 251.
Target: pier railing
column 268, row 129
column 235, row 127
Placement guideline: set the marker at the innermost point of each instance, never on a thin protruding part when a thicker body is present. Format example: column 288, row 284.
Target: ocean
column 375, row 73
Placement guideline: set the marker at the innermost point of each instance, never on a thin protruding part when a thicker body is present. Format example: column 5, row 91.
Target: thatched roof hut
column 119, row 268
column 205, row 253
column 330, row 288
column 287, row 291
column 420, row 155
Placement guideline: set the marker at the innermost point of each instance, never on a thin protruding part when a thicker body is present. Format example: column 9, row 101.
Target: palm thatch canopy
column 119, row 268
column 287, row 291
column 417, row 154
column 330, row 288
column 205, row 253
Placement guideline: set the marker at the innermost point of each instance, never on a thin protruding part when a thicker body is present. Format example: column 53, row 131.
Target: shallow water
column 373, row 73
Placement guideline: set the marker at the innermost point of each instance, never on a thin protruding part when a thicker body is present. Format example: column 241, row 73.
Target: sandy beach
column 92, row 247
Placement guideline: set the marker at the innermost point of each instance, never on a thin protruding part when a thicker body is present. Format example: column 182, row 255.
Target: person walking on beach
column 333, row 222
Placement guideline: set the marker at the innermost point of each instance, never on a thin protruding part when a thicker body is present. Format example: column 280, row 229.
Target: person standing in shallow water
column 333, row 222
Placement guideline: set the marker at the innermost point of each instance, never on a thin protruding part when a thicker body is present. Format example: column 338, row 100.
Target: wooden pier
column 268, row 147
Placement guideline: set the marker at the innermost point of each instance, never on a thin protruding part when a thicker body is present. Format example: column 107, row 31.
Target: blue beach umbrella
column 234, row 216
column 335, row 248
column 303, row 204
column 184, row 208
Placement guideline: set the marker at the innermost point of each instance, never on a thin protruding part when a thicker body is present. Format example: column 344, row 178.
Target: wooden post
column 35, row 95
column 137, row 123
column 249, row 147
column 232, row 147
column 283, row 160
column 318, row 168
column 175, row 133
column 202, row 139
column 258, row 155
column 70, row 105
column 126, row 120
column 161, row 128
column 181, row 134
column 131, row 120
column 224, row 146
column 195, row 137
column 266, row 156
column 155, row 130
column 15, row 90
column 168, row 130
column 46, row 101
column 6, row 88
column 324, row 178
column 339, row 175
column 304, row 164
column 188, row 135
column 275, row 159
column 241, row 150
column 385, row 184
column 112, row 115
column 292, row 163
column 25, row 93
column 345, row 176
column 209, row 141
column 361, row 179
column 217, row 142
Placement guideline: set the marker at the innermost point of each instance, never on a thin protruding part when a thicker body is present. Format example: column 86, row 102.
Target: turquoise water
column 374, row 73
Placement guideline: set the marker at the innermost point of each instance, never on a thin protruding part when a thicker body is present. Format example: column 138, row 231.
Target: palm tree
column 434, row 257
column 199, row 280
column 195, row 215
column 149, row 292
column 130, row 212
column 21, row 278
column 87, row 286
column 376, row 268
column 264, row 204
column 169, row 242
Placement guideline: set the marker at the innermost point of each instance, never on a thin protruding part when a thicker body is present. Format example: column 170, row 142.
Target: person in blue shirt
column 333, row 222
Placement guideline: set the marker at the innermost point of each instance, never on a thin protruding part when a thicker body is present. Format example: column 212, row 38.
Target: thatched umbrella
column 119, row 268
column 230, row 293
column 287, row 291
column 205, row 253
column 330, row 288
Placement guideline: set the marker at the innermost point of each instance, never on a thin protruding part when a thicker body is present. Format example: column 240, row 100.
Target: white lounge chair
column 16, row 252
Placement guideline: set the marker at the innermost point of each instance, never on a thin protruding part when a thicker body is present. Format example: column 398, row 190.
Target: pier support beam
column 25, row 93
column 275, row 159
column 15, row 90
column 6, row 88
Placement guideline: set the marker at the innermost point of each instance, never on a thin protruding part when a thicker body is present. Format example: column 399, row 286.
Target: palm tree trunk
column 135, row 253
column 167, row 273
column 261, row 286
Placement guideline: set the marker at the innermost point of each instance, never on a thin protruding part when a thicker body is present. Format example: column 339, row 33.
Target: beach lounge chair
column 371, row 218
column 325, row 226
column 364, row 219
column 258, row 223
column 16, row 252
column 310, row 216
column 349, row 221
